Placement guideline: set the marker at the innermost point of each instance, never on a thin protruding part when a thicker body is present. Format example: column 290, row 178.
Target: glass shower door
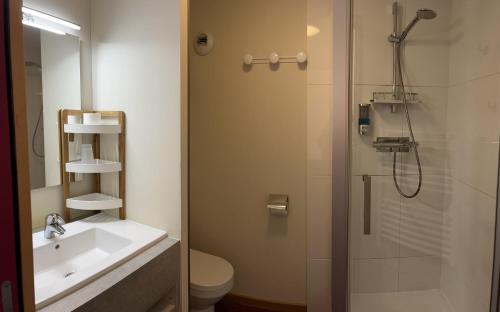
column 432, row 252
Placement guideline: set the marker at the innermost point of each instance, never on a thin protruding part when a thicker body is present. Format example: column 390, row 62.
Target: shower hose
column 33, row 139
column 412, row 137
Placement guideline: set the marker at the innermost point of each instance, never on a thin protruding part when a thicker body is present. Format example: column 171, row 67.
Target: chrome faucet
column 53, row 224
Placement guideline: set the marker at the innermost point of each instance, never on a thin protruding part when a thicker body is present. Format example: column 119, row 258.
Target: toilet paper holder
column 278, row 204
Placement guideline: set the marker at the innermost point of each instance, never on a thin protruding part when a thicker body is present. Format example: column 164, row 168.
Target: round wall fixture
column 274, row 58
column 203, row 43
column 248, row 59
column 301, row 57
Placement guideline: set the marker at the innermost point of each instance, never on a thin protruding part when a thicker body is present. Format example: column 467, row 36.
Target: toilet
column 211, row 278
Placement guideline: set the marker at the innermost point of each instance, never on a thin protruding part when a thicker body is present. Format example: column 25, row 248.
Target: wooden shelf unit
column 66, row 135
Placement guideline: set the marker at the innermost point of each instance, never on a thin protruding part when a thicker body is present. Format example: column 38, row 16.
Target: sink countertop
column 66, row 251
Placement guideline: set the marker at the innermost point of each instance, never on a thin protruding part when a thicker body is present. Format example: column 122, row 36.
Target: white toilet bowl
column 211, row 278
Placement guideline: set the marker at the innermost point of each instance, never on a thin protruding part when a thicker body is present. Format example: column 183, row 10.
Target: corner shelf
column 98, row 166
column 94, row 201
column 114, row 123
column 92, row 129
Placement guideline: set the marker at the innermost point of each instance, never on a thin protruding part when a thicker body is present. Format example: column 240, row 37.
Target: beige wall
column 136, row 69
column 473, row 129
column 248, row 139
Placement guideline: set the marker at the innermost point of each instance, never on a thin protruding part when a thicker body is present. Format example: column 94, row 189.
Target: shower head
column 426, row 14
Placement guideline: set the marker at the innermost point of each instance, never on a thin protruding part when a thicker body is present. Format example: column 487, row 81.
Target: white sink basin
column 88, row 249
column 61, row 259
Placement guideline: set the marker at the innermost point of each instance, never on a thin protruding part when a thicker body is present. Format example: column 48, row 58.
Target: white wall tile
column 411, row 301
column 319, row 217
column 467, row 251
column 473, row 131
column 319, row 129
column 319, row 154
column 474, row 40
column 428, row 119
column 320, row 46
column 420, row 231
column 319, row 286
column 426, row 52
column 419, row 273
column 372, row 51
column 376, row 275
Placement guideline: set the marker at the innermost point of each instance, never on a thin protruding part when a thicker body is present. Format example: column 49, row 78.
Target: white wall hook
column 248, row 59
column 301, row 57
column 274, row 58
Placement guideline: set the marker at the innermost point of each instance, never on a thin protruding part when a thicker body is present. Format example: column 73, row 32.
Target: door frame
column 19, row 146
column 340, row 154
column 495, row 280
column 10, row 286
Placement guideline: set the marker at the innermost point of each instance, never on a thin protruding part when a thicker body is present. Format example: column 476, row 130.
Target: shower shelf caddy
column 388, row 98
column 96, row 201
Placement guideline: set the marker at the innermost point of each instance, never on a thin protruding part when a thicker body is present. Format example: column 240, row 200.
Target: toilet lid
column 208, row 272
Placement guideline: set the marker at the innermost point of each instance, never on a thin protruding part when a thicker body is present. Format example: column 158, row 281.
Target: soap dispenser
column 364, row 119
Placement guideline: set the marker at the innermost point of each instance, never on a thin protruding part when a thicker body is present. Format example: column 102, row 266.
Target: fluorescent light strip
column 50, row 18
column 53, row 30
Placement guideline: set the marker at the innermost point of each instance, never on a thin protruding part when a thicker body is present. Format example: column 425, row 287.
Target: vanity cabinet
column 148, row 282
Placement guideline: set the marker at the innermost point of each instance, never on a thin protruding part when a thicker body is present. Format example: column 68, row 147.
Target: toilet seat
column 209, row 274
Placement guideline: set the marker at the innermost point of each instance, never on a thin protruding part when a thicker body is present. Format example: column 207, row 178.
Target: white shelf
column 94, row 201
column 98, row 166
column 82, row 128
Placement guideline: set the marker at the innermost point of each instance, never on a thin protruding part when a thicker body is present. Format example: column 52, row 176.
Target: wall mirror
column 52, row 64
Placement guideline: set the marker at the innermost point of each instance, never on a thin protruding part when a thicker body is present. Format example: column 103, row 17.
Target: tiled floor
column 414, row 301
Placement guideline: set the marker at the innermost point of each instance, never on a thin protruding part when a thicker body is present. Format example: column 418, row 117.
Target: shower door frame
column 495, row 281
column 342, row 48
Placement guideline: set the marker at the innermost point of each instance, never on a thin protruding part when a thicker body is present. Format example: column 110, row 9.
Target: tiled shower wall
column 319, row 175
column 472, row 132
column 403, row 251
column 443, row 239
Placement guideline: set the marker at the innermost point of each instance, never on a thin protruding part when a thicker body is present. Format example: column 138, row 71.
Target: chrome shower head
column 426, row 14
column 421, row 14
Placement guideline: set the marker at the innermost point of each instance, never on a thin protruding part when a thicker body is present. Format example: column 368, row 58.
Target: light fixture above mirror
column 34, row 18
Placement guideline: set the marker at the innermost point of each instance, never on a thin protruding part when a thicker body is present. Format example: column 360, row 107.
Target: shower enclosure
column 422, row 153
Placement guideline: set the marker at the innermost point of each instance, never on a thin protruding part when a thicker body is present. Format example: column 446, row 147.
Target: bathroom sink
column 88, row 249
column 63, row 258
